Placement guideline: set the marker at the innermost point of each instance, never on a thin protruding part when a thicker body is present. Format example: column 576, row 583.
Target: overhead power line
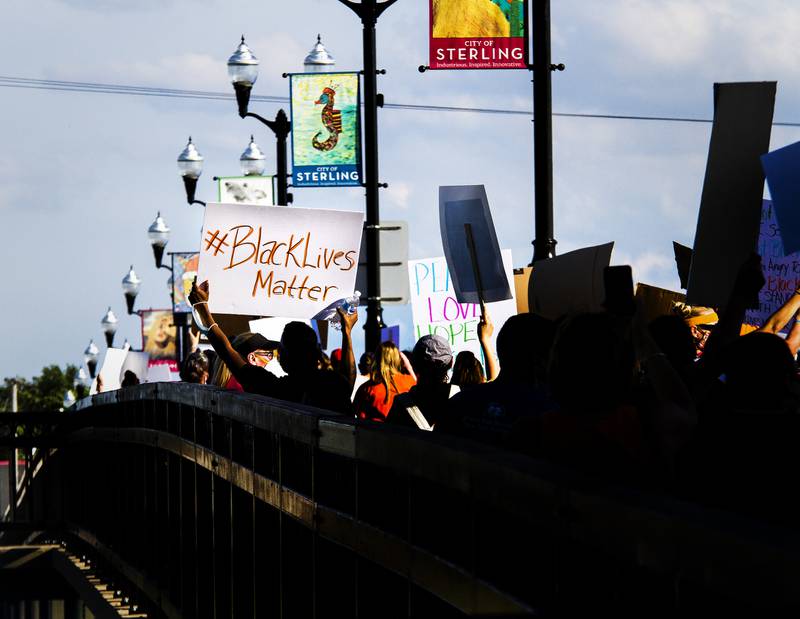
column 152, row 91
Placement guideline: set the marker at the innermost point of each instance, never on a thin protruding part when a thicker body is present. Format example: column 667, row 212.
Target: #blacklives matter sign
column 326, row 132
column 267, row 261
column 478, row 34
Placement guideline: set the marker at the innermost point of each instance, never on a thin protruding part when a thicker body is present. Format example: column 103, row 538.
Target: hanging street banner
column 267, row 261
column 326, row 131
column 478, row 34
column 184, row 270
column 245, row 190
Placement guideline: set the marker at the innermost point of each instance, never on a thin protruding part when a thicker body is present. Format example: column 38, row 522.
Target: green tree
column 42, row 393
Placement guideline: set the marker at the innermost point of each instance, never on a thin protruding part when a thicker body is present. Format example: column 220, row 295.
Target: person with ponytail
column 374, row 398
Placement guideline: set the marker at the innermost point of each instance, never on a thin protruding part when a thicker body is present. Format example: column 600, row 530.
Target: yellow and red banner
column 478, row 34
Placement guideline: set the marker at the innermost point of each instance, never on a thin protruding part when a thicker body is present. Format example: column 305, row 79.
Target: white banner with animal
column 265, row 261
column 245, row 190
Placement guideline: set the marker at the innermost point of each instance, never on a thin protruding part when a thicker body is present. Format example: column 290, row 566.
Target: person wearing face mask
column 254, row 348
column 299, row 356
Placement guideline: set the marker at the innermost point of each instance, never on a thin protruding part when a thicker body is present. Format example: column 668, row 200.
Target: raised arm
column 782, row 315
column 676, row 415
column 198, row 297
column 485, row 331
column 749, row 281
column 348, row 366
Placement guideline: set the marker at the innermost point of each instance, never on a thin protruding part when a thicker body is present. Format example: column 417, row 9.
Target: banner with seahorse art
column 478, row 34
column 326, row 130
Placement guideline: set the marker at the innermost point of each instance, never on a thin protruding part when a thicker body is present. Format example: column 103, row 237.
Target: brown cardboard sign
column 570, row 283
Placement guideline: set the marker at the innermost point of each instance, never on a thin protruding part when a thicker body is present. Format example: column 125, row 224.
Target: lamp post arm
column 200, row 202
column 281, row 126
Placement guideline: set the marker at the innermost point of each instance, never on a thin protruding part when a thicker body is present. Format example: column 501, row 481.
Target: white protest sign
column 137, row 362
column 436, row 311
column 111, row 369
column 266, row 261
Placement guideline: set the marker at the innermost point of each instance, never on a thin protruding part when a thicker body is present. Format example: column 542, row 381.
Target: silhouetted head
column 299, row 350
column 195, row 368
column 758, row 369
column 674, row 338
column 523, row 347
column 591, row 366
column 467, row 370
column 336, row 358
column 365, row 363
column 129, row 379
column 433, row 358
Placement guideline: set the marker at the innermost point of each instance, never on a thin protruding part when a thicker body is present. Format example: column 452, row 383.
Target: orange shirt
column 371, row 401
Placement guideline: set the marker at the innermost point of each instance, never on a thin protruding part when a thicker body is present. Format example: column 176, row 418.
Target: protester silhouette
column 299, row 355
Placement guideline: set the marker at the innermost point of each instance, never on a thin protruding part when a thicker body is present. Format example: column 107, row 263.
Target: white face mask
column 259, row 358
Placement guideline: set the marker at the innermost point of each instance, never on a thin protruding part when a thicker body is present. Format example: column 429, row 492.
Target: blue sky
column 84, row 174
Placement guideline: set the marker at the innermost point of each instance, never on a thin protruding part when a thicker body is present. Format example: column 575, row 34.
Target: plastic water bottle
column 349, row 305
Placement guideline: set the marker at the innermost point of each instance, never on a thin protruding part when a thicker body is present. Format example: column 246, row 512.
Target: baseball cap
column 433, row 349
column 256, row 341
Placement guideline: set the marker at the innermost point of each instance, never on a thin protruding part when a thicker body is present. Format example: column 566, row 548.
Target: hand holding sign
column 279, row 262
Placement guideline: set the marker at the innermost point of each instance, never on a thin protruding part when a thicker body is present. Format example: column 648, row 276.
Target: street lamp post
column 109, row 325
column 243, row 71
column 319, row 59
column 544, row 245
column 130, row 286
column 369, row 11
column 252, row 161
column 190, row 165
column 90, row 357
column 159, row 237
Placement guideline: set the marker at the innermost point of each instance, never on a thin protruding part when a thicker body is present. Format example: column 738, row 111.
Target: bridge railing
column 219, row 504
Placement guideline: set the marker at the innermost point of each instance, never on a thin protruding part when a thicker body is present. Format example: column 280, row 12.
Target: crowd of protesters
column 685, row 403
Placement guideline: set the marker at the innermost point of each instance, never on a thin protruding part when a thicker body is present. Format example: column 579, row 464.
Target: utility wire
column 148, row 91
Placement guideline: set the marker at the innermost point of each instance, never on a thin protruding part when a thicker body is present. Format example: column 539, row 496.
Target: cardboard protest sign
column 781, row 167
column 730, row 207
column 162, row 372
column 781, row 272
column 391, row 334
column 110, row 370
column 522, row 278
column 656, row 301
column 326, row 130
column 683, row 260
column 159, row 334
column 290, row 262
column 184, row 270
column 245, row 190
column 478, row 34
column 462, row 205
column 436, row 310
column 570, row 283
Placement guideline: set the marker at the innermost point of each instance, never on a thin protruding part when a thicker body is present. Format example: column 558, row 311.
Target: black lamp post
column 109, row 325
column 90, row 357
column 190, row 166
column 544, row 245
column 369, row 11
column 130, row 286
column 159, row 237
column 243, row 71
